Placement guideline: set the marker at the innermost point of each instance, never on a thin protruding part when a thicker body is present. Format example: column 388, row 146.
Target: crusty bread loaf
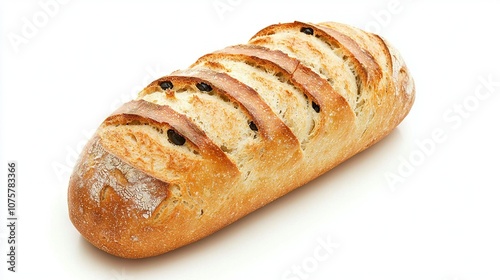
column 203, row 147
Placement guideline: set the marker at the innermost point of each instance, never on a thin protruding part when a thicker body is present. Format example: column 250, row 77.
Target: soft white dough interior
column 288, row 103
column 326, row 61
column 220, row 119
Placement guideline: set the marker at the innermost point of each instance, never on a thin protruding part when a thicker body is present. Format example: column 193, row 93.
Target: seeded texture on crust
column 203, row 147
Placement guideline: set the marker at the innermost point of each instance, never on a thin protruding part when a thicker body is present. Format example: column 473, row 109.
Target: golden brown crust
column 128, row 213
column 365, row 66
column 203, row 147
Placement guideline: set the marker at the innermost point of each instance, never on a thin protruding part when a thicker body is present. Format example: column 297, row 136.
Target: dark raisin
column 253, row 126
column 203, row 87
column 316, row 107
column 175, row 138
column 166, row 85
column 307, row 30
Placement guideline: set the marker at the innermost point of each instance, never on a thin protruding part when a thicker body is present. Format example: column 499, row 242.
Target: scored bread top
column 242, row 126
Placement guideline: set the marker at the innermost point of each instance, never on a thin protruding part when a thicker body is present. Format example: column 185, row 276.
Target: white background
column 439, row 219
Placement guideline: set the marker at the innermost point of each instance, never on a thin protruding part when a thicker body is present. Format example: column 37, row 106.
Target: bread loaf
column 242, row 126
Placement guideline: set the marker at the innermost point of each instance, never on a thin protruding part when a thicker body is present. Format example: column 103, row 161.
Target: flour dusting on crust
column 145, row 192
